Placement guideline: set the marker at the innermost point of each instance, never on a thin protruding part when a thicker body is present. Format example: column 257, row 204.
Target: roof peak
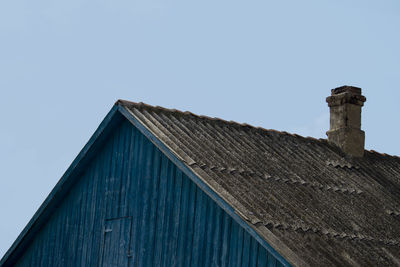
column 145, row 105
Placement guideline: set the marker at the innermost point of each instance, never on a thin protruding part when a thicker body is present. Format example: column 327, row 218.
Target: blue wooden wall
column 131, row 206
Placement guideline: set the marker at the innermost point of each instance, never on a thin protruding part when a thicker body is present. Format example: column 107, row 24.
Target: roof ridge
column 260, row 128
column 231, row 122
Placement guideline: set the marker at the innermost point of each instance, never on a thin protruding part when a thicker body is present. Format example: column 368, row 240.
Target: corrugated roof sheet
column 327, row 208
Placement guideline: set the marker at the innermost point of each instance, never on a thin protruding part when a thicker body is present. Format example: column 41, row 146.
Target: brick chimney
column 345, row 131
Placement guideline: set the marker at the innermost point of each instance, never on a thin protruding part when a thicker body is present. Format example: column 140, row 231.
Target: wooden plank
column 193, row 195
column 246, row 252
column 169, row 216
column 227, row 232
column 254, row 247
column 262, row 257
column 145, row 196
column 183, row 233
column 161, row 210
column 151, row 226
column 137, row 211
column 209, row 232
column 218, row 237
column 176, row 227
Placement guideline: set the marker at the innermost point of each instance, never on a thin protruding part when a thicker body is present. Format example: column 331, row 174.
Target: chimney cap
column 346, row 89
column 346, row 95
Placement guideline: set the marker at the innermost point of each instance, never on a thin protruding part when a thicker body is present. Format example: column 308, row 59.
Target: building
column 159, row 187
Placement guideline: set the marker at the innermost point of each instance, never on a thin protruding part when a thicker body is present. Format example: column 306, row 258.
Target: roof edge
column 259, row 128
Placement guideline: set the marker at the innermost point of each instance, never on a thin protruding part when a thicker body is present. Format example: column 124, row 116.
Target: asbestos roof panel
column 328, row 209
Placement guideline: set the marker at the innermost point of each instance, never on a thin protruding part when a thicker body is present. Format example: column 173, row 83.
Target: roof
column 302, row 195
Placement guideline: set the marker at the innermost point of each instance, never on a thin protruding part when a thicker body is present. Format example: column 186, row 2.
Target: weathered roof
column 299, row 193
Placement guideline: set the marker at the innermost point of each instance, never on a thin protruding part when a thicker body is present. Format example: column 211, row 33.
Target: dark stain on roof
column 327, row 208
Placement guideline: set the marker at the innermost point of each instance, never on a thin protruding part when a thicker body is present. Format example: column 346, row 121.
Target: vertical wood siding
column 171, row 221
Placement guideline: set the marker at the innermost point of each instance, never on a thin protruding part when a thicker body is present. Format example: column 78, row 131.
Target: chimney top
column 346, row 89
column 346, row 95
column 345, row 131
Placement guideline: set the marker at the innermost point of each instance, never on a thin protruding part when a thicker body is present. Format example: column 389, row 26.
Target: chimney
column 345, row 124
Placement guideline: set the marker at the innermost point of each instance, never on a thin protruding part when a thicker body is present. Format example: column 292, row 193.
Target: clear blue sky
column 268, row 63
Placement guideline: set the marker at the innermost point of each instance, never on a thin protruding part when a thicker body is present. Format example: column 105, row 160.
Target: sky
column 63, row 64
